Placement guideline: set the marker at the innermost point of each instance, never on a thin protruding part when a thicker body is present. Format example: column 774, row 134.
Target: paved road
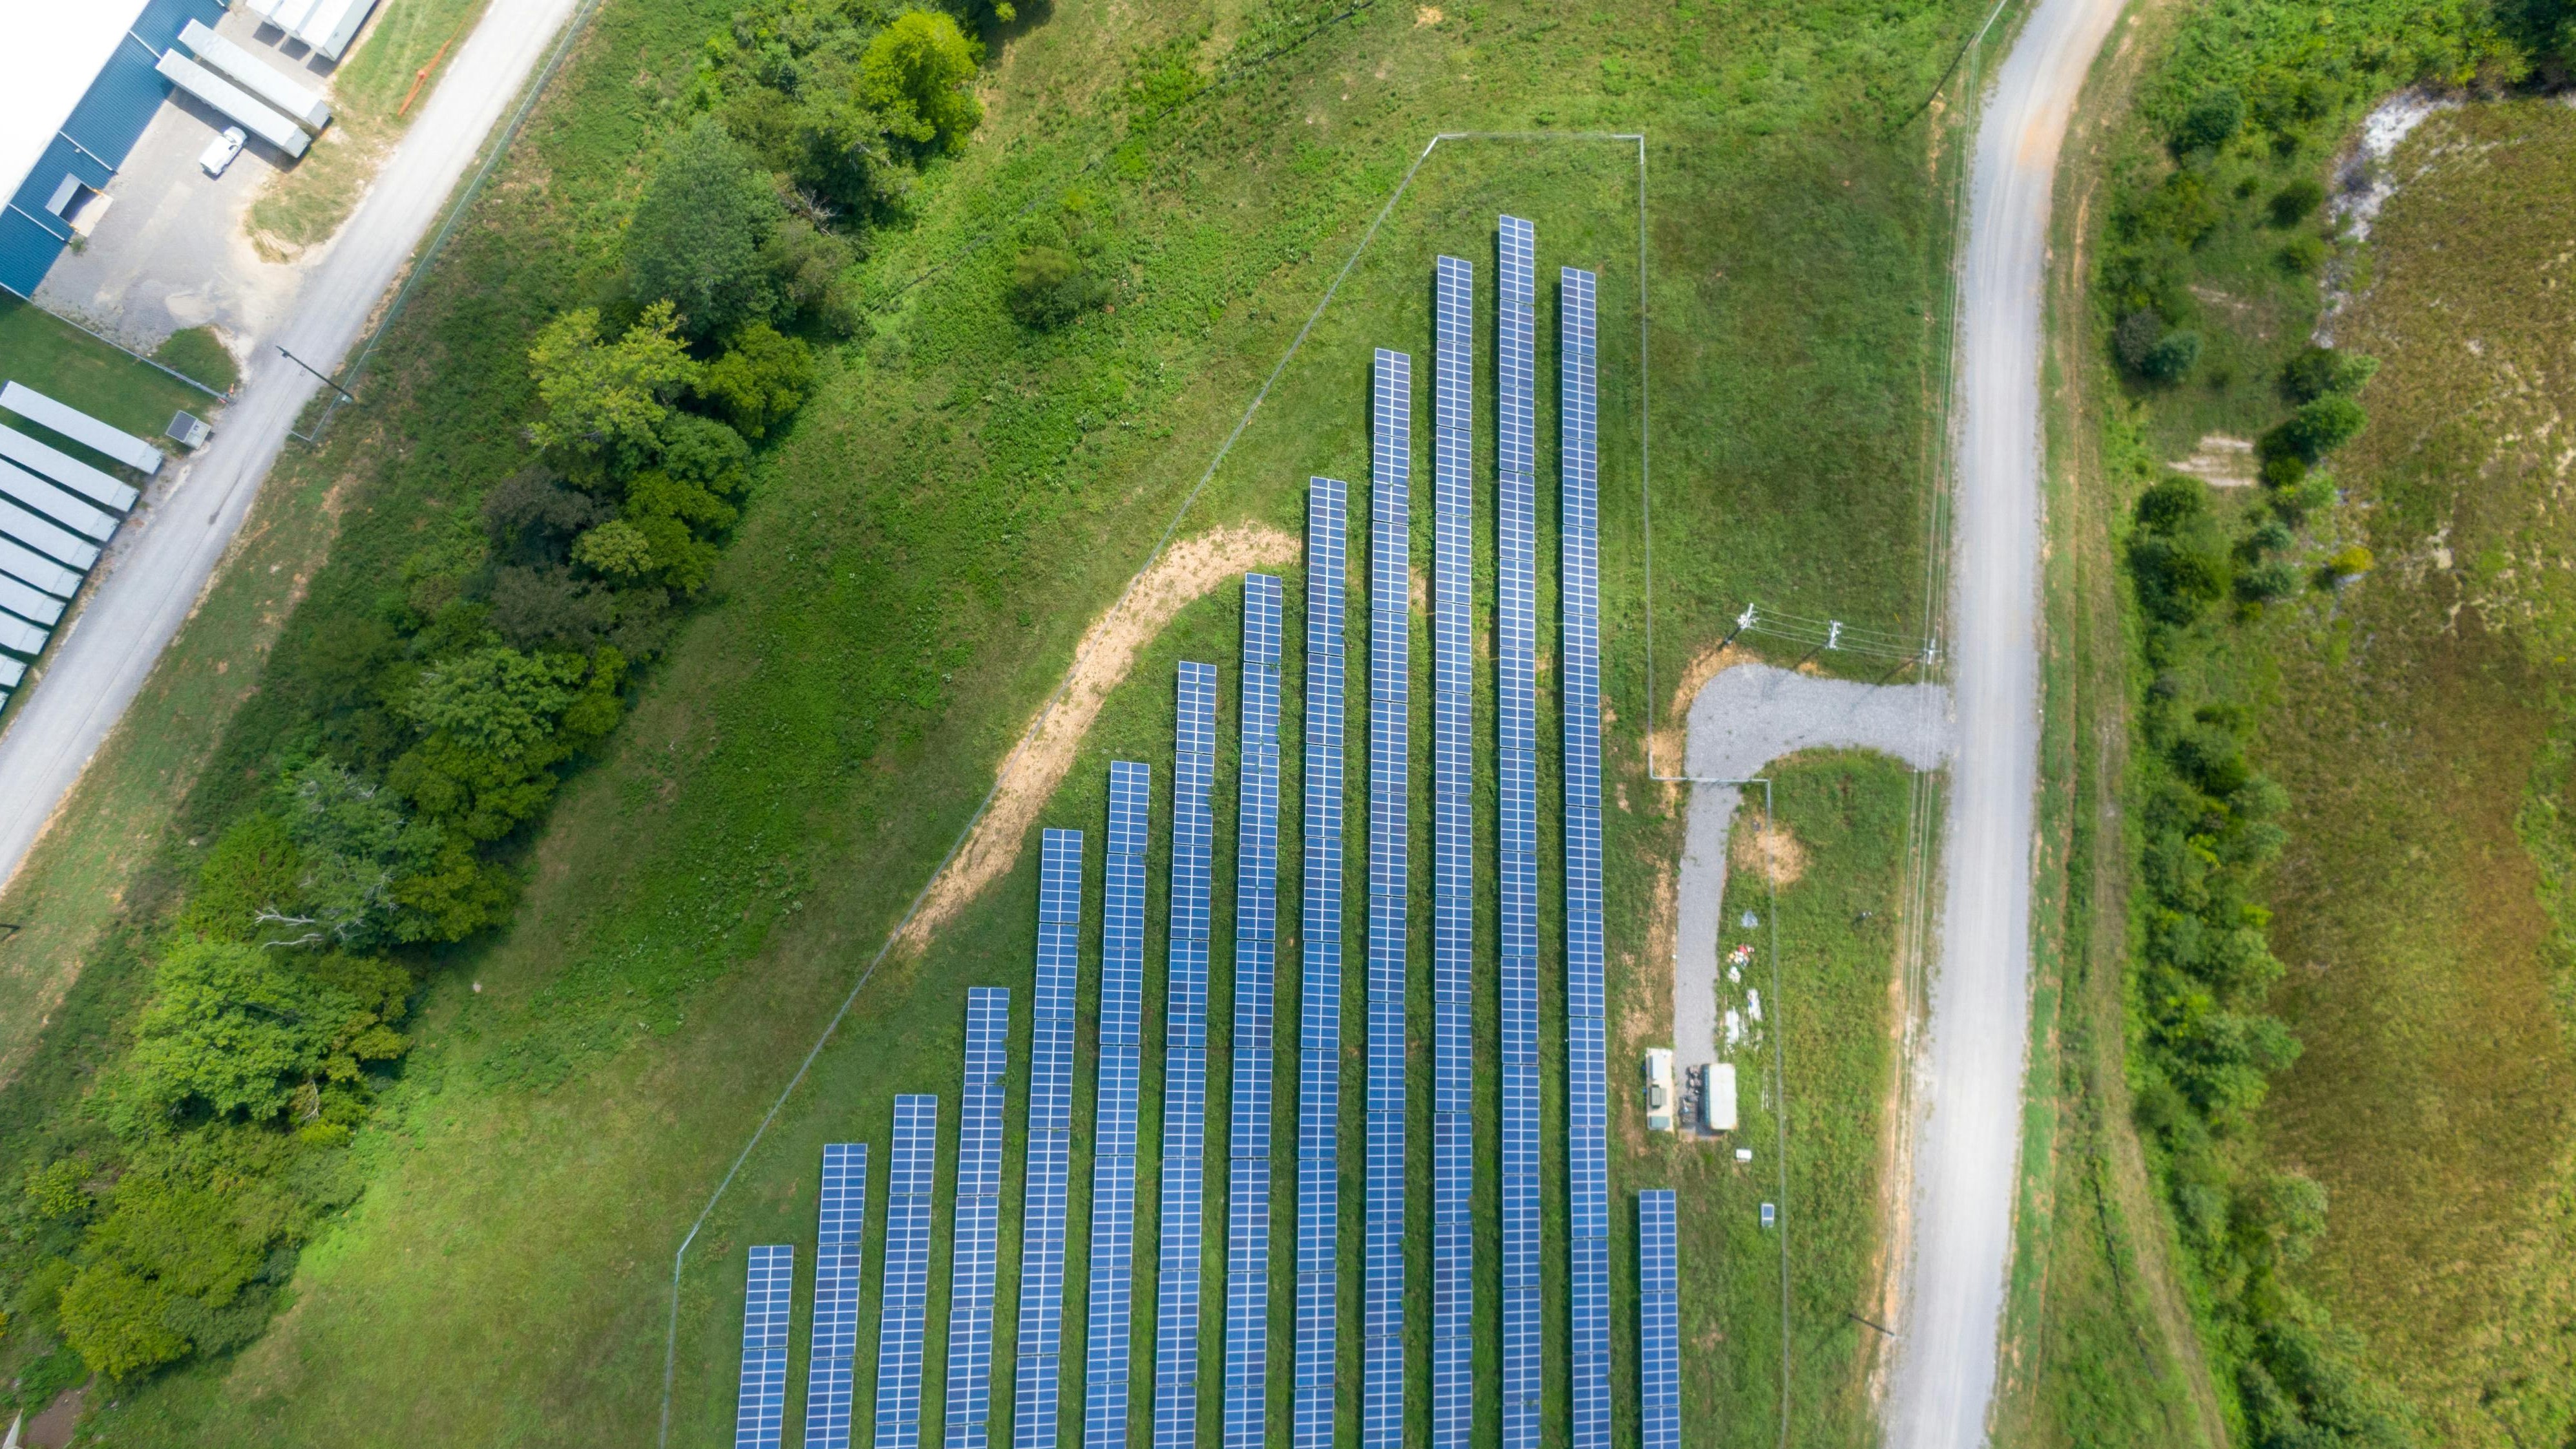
column 1743, row 719
column 173, row 547
column 1969, row 1076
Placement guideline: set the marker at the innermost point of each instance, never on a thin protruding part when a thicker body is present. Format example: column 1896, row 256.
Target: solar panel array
column 1453, row 845
column 1059, row 972
column 1256, row 877
column 1659, row 1329
column 979, row 1215
column 1176, row 1308
column 839, row 1227
column 1390, row 699
column 1587, row 1166
column 768, row 1294
column 1516, row 736
column 1113, row 1161
column 1319, row 1036
column 906, row 1275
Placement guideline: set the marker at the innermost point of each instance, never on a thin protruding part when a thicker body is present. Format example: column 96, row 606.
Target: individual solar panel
column 1113, row 1161
column 839, row 1227
column 979, row 1209
column 1176, row 1307
column 1659, row 1329
column 1041, row 1323
column 768, row 1294
column 1516, row 734
column 1319, row 1035
column 1390, row 669
column 906, row 1273
column 1587, row 1148
column 1256, row 878
column 1453, row 879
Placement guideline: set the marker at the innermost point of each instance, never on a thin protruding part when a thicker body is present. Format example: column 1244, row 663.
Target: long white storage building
column 29, row 602
column 53, row 541
column 70, row 472
column 83, row 429
column 250, row 112
column 28, row 566
column 302, row 104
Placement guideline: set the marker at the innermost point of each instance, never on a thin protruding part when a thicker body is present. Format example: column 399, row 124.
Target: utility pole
column 327, row 380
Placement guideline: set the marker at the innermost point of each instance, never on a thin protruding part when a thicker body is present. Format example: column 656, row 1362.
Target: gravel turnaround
column 1743, row 719
column 1968, row 1074
column 174, row 544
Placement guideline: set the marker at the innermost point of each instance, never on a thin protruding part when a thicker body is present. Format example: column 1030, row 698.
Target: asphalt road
column 1968, row 1078
column 173, row 547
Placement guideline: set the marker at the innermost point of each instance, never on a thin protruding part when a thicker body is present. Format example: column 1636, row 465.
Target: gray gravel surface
column 1968, row 1075
column 171, row 549
column 1742, row 720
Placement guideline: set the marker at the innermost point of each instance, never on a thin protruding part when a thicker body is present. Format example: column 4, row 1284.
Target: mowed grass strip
column 951, row 509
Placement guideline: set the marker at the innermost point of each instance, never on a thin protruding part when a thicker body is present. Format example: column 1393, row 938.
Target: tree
column 916, row 75
column 254, row 867
column 808, row 263
column 347, row 832
column 548, row 607
column 494, row 701
column 698, row 232
column 2293, row 202
column 2212, row 121
column 604, row 400
column 616, row 549
column 235, row 1028
column 2316, row 429
column 2315, row 372
column 118, row 1322
column 760, row 380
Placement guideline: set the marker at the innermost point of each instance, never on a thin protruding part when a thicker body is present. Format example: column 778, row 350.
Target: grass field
column 959, row 499
column 2419, row 723
column 405, row 47
column 68, row 365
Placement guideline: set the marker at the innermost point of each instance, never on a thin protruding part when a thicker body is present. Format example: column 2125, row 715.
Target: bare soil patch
column 1770, row 850
column 1186, row 571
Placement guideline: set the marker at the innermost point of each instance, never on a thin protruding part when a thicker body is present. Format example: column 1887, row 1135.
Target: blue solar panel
column 1516, row 732
column 906, row 1276
column 1587, row 1161
column 1319, row 1038
column 1176, row 1309
column 1041, row 1323
column 839, row 1227
column 1256, row 881
column 1113, row 1161
column 979, row 1206
column 1659, row 1338
column 1390, row 668
column 768, row 1295
column 1453, row 878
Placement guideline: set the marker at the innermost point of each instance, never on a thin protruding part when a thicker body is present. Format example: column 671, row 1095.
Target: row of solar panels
column 1122, row 967
column 56, row 514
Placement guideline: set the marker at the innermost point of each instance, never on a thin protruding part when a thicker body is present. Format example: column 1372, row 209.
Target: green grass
column 957, row 501
column 2436, row 1100
column 196, row 352
column 70, row 366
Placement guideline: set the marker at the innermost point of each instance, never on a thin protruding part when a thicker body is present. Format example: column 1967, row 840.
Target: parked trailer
column 1717, row 1097
column 66, row 470
column 333, row 24
column 38, row 496
column 254, row 114
column 80, row 427
column 302, row 104
column 59, row 544
column 29, row 602
column 20, row 637
column 27, row 566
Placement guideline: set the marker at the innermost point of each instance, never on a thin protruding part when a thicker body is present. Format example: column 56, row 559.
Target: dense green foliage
column 436, row 730
column 2243, row 112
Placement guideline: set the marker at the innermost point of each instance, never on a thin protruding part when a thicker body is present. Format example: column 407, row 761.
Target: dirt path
column 1186, row 571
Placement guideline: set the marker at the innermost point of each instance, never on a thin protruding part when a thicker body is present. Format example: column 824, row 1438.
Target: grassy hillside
column 919, row 553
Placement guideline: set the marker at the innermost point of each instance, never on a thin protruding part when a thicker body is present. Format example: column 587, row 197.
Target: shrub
column 2172, row 358
column 1050, row 287
column 2302, row 256
column 2316, row 429
column 2350, row 564
column 760, row 380
column 917, row 75
column 696, row 240
column 2316, row 372
column 2266, row 581
column 2294, row 202
column 2212, row 121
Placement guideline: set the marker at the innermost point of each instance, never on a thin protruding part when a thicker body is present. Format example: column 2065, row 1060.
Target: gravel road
column 1742, row 720
column 172, row 548
column 1968, row 1078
